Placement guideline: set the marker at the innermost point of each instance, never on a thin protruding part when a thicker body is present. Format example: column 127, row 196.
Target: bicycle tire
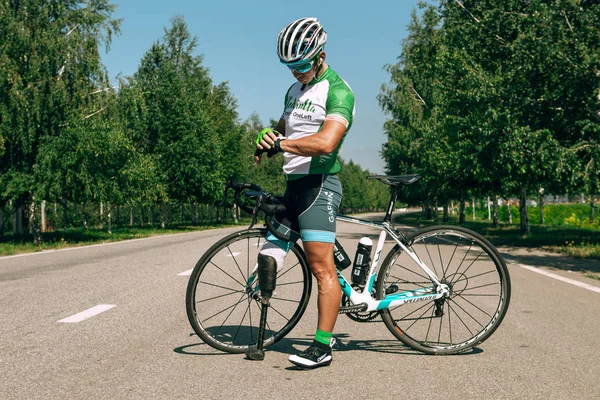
column 415, row 327
column 219, row 273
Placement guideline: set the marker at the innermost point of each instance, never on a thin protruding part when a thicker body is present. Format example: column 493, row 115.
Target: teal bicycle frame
column 366, row 298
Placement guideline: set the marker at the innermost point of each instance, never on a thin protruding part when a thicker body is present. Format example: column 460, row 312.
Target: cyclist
column 318, row 112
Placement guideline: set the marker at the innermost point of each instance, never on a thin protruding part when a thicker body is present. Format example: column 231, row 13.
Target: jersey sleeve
column 340, row 104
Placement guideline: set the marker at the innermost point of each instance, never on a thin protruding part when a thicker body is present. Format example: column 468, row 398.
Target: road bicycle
column 439, row 290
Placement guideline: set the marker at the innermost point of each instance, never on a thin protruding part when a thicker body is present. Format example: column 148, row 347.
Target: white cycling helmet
column 300, row 41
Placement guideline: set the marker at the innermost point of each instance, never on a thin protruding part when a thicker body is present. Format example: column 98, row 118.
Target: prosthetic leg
column 267, row 277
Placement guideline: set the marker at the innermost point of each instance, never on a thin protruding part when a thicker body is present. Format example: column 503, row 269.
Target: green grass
column 581, row 242
column 75, row 237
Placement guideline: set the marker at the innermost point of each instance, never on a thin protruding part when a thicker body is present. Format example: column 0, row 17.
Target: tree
column 49, row 64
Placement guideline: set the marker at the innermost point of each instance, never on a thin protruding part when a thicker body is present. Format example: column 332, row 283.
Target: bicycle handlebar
column 265, row 202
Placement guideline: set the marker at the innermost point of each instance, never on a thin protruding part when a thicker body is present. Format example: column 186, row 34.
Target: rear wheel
column 479, row 290
column 223, row 301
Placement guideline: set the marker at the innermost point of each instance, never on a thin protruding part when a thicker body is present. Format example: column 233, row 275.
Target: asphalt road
column 142, row 346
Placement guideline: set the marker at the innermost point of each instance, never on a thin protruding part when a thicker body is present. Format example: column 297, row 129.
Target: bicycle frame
column 438, row 290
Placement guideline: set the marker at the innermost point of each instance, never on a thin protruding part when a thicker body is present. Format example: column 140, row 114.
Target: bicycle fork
column 267, row 277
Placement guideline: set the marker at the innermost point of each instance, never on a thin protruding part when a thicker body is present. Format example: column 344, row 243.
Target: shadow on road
column 538, row 258
column 291, row 345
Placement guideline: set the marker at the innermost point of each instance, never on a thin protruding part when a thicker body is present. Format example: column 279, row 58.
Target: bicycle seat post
column 393, row 198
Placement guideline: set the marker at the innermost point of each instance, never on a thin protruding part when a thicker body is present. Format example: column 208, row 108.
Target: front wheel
column 478, row 283
column 223, row 300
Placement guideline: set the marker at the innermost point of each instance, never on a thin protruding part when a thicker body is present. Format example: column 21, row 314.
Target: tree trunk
column 33, row 228
column 473, row 208
column 452, row 207
column 108, row 218
column 18, row 225
column 163, row 214
column 43, row 222
column 1, row 222
column 234, row 213
column 83, row 217
column 101, row 215
column 117, row 215
column 489, row 209
column 445, row 215
column 525, row 228
column 495, row 207
column 592, row 206
column 141, row 216
column 542, row 219
column 435, row 212
column 195, row 213
column 65, row 214
column 131, row 216
column 461, row 209
column 151, row 219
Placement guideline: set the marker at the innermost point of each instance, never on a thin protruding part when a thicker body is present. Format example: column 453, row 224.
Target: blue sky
column 237, row 41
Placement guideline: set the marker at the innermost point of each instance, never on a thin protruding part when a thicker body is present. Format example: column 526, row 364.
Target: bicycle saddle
column 396, row 180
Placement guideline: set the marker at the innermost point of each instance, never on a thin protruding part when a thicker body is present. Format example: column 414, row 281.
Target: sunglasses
column 304, row 67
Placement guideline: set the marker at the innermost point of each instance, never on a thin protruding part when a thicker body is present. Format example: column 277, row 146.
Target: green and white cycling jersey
column 327, row 98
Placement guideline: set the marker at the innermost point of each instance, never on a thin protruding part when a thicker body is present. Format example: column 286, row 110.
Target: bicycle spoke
column 416, row 320
column 440, row 329
column 290, row 283
column 222, row 311
column 219, row 268
column 248, row 260
column 480, row 286
column 282, row 316
column 469, row 267
column 483, row 311
column 429, row 326
column 463, row 260
column 414, row 311
column 431, row 259
column 283, row 299
column 479, row 295
column 288, row 270
column 236, row 263
column 414, row 272
column 466, row 312
column 474, row 276
column 449, row 262
column 222, row 287
column 441, row 261
column 221, row 327
column 450, row 324
column 218, row 297
column 241, row 322
column 460, row 319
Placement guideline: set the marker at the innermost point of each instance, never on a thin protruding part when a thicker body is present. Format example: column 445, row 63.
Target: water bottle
column 341, row 259
column 362, row 260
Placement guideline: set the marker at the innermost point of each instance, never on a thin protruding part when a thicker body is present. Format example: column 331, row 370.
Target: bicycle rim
column 222, row 300
column 479, row 290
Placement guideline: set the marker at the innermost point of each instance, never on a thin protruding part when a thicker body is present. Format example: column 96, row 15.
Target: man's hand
column 264, row 142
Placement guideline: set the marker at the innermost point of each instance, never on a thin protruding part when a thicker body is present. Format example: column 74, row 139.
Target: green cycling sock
column 323, row 337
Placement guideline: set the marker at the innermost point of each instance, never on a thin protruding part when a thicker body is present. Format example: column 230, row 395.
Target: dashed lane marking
column 99, row 309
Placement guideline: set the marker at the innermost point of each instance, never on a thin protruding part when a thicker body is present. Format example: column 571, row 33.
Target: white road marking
column 186, row 273
column 100, row 308
column 234, row 254
column 559, row 277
